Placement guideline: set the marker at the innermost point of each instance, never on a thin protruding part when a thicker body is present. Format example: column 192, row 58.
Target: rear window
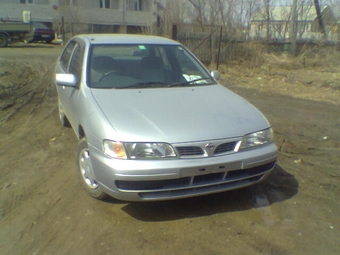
column 40, row 25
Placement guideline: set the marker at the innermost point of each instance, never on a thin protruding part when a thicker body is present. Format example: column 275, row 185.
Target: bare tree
column 251, row 7
column 173, row 12
column 273, row 19
column 199, row 6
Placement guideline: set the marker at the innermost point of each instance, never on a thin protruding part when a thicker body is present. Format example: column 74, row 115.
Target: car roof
column 126, row 39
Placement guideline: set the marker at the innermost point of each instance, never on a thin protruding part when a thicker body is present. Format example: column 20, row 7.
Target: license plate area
column 204, row 170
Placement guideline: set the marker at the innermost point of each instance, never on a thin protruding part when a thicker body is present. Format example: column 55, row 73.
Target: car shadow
column 279, row 186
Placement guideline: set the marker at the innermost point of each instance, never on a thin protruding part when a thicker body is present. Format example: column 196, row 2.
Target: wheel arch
column 81, row 132
column 4, row 33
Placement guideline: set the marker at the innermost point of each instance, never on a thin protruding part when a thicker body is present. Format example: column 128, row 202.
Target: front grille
column 197, row 151
column 225, row 147
column 190, row 151
column 232, row 177
column 152, row 185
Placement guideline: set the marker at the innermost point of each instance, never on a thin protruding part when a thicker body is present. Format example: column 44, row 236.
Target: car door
column 71, row 62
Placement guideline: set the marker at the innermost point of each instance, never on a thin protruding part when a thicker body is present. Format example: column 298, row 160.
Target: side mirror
column 68, row 80
column 215, row 74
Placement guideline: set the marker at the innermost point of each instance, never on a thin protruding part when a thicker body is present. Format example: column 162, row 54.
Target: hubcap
column 86, row 169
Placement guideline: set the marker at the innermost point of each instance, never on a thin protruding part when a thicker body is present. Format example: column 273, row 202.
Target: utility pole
column 268, row 20
column 319, row 17
column 293, row 28
column 123, row 25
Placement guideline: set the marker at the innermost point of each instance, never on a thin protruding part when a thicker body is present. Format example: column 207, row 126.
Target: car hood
column 175, row 115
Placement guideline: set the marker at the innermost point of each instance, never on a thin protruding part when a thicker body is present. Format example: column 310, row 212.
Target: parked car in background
column 154, row 124
column 41, row 32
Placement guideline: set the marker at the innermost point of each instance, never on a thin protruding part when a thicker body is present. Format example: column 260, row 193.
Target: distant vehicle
column 41, row 32
column 20, row 31
column 24, row 30
column 154, row 124
column 13, row 32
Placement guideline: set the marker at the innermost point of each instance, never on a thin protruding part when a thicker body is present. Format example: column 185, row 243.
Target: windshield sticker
column 194, row 77
column 141, row 47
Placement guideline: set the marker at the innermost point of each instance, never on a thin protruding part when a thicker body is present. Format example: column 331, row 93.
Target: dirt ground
column 43, row 209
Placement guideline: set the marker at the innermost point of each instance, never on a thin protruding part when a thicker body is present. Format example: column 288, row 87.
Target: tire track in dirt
column 22, row 192
column 39, row 198
column 28, row 125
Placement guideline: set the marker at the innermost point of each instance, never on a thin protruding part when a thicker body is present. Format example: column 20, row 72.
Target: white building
column 85, row 16
column 279, row 21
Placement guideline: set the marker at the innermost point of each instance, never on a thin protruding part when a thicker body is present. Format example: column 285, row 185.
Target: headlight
column 257, row 138
column 114, row 149
column 150, row 150
column 138, row 150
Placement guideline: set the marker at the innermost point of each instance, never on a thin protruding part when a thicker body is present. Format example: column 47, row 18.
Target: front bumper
column 151, row 180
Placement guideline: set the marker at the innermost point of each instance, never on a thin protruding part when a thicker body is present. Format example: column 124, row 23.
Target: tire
column 63, row 119
column 48, row 40
column 85, row 171
column 3, row 40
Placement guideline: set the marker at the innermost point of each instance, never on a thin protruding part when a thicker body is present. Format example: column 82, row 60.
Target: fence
column 241, row 50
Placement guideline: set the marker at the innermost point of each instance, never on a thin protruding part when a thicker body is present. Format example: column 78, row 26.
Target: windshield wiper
column 143, row 85
column 192, row 82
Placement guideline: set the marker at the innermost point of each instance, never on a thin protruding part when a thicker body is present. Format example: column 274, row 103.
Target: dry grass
column 314, row 74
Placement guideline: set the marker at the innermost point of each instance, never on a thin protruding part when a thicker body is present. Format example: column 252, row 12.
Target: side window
column 76, row 62
column 65, row 58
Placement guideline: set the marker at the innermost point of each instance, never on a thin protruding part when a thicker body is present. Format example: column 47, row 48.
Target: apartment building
column 85, row 16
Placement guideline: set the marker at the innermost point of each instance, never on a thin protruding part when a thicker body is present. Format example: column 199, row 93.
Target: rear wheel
column 85, row 171
column 3, row 40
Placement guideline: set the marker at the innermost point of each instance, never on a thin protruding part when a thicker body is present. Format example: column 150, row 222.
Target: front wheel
column 85, row 171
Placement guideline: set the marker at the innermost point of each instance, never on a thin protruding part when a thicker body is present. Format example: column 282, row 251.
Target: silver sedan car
column 154, row 124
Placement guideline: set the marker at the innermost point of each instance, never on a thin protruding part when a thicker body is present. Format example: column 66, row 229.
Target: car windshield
column 144, row 66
